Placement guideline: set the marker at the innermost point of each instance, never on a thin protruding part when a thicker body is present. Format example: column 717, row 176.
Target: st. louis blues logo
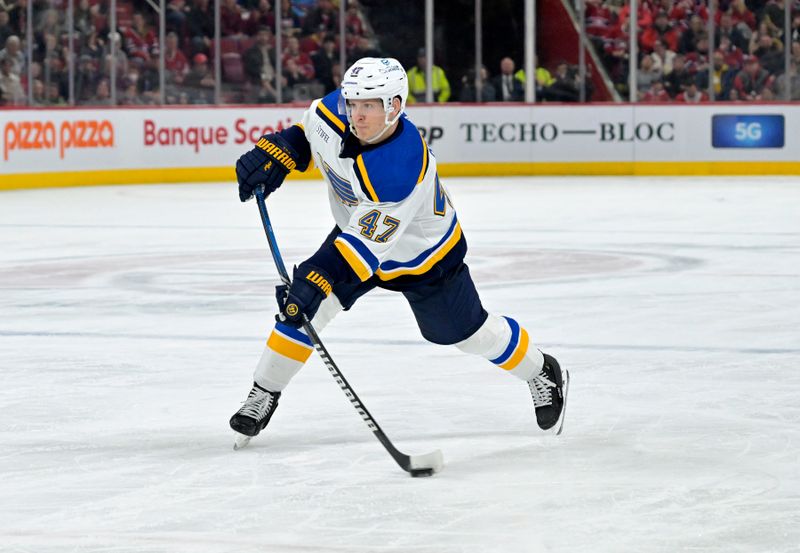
column 340, row 186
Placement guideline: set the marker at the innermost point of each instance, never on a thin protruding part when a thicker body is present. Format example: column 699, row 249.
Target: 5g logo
column 747, row 131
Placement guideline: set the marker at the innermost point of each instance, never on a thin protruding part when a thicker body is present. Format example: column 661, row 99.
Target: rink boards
column 67, row 147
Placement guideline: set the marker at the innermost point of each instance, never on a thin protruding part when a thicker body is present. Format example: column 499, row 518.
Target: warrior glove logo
column 277, row 154
column 292, row 310
column 320, row 282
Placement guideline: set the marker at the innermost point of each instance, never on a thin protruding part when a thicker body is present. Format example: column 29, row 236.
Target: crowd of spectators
column 676, row 59
column 673, row 62
column 309, row 55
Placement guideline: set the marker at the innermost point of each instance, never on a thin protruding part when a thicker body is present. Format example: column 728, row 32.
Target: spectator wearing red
column 175, row 62
column 656, row 93
column 353, row 24
column 661, row 30
column 751, row 81
column 230, row 16
column 644, row 15
column 697, row 59
column 301, row 59
column 739, row 14
column 140, row 40
column 685, row 9
column 732, row 55
column 692, row 95
column 260, row 16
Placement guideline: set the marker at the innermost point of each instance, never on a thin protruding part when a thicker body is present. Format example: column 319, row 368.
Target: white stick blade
column 433, row 461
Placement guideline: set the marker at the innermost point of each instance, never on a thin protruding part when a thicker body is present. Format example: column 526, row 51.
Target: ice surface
column 131, row 319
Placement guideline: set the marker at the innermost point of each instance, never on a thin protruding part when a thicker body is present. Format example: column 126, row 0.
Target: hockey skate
column 549, row 392
column 254, row 414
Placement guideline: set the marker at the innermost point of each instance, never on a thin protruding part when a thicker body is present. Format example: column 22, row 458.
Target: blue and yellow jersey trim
column 516, row 349
column 423, row 262
column 328, row 111
column 425, row 160
column 290, row 342
column 362, row 261
column 363, row 179
column 391, row 172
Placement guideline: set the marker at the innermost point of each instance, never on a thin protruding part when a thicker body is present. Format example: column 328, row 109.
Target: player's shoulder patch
column 390, row 172
column 328, row 111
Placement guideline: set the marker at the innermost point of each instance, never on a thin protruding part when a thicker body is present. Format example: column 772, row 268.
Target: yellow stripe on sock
column 287, row 348
column 522, row 349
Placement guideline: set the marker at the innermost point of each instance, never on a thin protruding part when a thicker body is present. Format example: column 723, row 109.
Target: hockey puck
column 416, row 473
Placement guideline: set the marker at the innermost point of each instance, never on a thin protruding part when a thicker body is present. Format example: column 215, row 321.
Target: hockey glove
column 267, row 164
column 310, row 286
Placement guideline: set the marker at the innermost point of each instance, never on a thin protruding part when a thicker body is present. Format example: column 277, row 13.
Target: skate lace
column 257, row 404
column 541, row 390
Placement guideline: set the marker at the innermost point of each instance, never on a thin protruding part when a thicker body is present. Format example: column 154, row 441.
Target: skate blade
column 241, row 441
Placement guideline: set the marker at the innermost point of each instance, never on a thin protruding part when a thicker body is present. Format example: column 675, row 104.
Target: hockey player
column 395, row 229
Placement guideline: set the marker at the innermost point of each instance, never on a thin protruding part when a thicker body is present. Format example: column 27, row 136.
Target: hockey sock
column 505, row 343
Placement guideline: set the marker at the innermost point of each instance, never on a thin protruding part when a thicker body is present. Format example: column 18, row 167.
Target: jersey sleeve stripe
column 424, row 161
column 512, row 344
column 519, row 353
column 293, row 333
column 334, row 122
column 360, row 259
column 423, row 262
column 363, row 177
column 288, row 348
column 356, row 263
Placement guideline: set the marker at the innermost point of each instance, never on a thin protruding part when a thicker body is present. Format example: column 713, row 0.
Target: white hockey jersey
column 394, row 213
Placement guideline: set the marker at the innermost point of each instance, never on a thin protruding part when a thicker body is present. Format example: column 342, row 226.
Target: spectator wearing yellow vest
column 416, row 82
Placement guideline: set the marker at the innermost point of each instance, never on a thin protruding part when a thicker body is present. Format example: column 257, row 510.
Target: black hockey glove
column 310, row 286
column 267, row 164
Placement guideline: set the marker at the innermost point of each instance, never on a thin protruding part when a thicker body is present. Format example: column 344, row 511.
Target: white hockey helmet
column 375, row 78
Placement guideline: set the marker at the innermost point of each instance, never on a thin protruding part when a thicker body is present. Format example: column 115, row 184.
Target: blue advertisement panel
column 747, row 131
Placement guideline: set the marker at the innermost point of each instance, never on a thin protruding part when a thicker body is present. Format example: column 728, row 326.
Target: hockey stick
column 416, row 465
